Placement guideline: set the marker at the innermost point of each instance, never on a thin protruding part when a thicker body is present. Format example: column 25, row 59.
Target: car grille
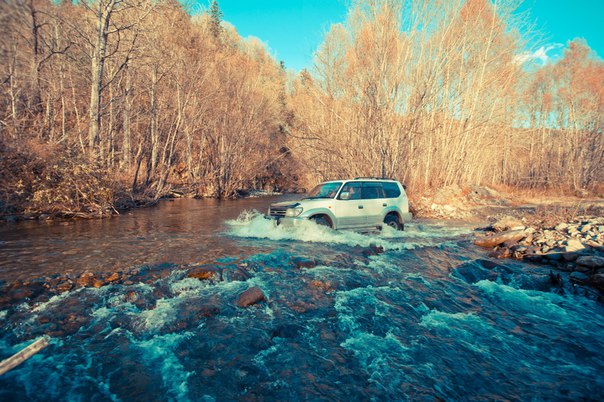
column 277, row 211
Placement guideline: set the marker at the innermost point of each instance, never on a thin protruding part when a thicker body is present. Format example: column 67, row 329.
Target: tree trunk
column 98, row 61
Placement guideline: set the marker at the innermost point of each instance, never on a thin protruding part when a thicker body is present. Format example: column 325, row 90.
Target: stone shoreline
column 575, row 247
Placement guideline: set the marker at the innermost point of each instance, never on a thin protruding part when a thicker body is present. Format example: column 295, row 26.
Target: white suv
column 361, row 203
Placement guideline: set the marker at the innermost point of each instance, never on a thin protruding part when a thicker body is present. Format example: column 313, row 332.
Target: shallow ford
column 361, row 203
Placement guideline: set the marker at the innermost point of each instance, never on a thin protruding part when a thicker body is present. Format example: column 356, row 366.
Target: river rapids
column 429, row 318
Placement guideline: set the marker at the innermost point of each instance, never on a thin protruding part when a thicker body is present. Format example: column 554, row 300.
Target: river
column 430, row 318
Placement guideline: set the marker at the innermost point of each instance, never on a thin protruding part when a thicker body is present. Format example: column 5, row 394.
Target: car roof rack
column 373, row 178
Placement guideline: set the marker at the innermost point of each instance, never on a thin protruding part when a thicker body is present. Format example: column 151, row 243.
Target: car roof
column 361, row 179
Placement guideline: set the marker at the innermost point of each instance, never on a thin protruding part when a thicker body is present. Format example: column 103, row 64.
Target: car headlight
column 291, row 212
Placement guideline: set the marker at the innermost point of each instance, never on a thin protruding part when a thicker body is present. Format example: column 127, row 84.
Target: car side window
column 391, row 190
column 372, row 191
column 353, row 189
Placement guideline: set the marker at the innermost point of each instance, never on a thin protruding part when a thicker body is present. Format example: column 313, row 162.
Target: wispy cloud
column 540, row 56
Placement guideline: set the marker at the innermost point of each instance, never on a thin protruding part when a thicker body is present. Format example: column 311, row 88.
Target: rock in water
column 205, row 272
column 598, row 280
column 591, row 261
column 250, row 297
column 492, row 241
column 578, row 277
column 301, row 262
column 87, row 279
column 113, row 277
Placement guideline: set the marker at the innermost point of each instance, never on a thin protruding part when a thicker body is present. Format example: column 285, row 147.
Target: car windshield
column 325, row 190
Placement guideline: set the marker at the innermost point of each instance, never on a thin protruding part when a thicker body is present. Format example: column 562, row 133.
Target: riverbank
column 570, row 251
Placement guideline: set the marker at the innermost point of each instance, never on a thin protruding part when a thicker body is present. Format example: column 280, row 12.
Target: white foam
column 252, row 224
column 39, row 307
column 373, row 351
column 161, row 351
column 440, row 319
column 542, row 304
column 163, row 313
column 187, row 286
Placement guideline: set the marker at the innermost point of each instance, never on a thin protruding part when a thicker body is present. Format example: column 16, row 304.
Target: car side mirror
column 344, row 195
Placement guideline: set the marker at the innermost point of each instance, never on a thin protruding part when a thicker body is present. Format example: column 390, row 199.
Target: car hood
column 285, row 204
column 295, row 203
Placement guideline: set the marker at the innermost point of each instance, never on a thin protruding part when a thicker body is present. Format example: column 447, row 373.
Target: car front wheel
column 393, row 222
column 321, row 221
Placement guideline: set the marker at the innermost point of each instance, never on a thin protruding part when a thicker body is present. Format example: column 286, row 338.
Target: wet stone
column 205, row 272
column 598, row 280
column 579, row 277
column 501, row 253
column 64, row 286
column 250, row 297
column 301, row 262
column 131, row 296
column 533, row 257
column 325, row 286
column 238, row 274
column 582, row 268
column 591, row 261
column 87, row 279
column 113, row 277
column 376, row 249
column 554, row 256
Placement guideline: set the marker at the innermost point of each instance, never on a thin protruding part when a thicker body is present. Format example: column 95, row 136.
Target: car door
column 350, row 212
column 373, row 203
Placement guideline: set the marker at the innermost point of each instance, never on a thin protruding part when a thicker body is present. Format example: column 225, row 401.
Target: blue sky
column 293, row 29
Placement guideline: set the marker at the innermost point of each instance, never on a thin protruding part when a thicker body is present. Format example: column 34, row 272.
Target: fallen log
column 495, row 240
column 24, row 354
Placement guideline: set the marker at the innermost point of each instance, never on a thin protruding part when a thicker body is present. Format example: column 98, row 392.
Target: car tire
column 321, row 221
column 393, row 222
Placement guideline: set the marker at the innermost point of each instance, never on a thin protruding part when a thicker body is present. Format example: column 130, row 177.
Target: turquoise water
column 427, row 318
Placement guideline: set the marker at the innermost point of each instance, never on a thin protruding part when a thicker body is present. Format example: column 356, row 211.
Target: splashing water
column 252, row 224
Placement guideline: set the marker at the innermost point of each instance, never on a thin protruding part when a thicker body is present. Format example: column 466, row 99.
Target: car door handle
column 384, row 205
column 360, row 207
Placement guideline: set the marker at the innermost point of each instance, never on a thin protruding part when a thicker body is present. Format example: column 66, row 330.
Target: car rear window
column 372, row 191
column 391, row 190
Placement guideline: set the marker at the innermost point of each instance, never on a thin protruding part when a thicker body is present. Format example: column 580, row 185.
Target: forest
column 110, row 104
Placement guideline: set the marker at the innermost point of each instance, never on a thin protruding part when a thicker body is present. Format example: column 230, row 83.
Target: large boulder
column 591, row 261
column 497, row 239
column 572, row 249
column 250, row 297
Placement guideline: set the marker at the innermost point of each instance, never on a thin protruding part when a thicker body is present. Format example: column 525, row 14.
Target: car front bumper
column 286, row 221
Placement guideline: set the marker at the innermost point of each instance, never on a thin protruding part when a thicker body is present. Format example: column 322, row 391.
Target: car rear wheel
column 393, row 222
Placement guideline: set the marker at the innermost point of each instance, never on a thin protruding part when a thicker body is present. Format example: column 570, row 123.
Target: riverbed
column 416, row 315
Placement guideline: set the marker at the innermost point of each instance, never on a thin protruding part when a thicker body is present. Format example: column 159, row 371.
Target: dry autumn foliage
column 125, row 98
column 436, row 94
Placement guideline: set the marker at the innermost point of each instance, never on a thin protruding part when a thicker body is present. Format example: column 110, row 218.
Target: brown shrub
column 47, row 179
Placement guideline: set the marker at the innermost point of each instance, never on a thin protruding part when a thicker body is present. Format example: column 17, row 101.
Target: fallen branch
column 20, row 357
